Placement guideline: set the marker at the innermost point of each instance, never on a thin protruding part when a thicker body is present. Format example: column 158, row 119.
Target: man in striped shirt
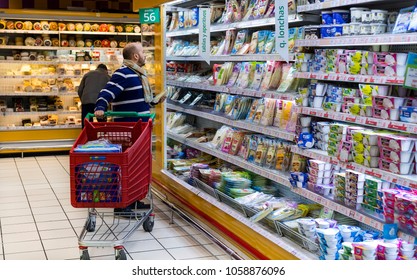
column 124, row 91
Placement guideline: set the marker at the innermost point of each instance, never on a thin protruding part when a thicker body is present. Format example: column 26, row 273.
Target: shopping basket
column 107, row 179
column 112, row 179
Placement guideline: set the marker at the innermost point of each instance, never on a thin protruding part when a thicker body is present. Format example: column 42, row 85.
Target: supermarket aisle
column 37, row 221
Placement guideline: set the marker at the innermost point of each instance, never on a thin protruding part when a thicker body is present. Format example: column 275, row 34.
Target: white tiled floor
column 37, row 221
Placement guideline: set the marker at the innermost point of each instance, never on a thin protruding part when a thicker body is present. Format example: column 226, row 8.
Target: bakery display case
column 43, row 58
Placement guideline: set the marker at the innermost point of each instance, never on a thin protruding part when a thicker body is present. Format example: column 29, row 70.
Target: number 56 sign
column 149, row 15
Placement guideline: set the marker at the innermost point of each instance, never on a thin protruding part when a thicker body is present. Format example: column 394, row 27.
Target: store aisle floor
column 37, row 221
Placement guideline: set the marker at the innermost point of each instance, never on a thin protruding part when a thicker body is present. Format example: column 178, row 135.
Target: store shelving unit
column 383, row 80
column 366, row 121
column 10, row 127
column 309, row 11
column 232, row 90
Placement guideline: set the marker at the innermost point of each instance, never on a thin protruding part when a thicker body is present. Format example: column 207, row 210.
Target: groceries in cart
column 97, row 146
column 98, row 182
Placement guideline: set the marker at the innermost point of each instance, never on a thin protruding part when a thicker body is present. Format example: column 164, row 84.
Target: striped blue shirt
column 124, row 92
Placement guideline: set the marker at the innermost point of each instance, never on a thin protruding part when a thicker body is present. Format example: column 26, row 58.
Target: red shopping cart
column 104, row 179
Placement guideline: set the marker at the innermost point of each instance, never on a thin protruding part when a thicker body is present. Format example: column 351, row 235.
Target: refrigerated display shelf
column 404, row 180
column 267, row 130
column 32, row 128
column 283, row 179
column 366, row 121
column 318, row 6
column 350, row 78
column 233, row 90
column 286, row 244
column 360, row 40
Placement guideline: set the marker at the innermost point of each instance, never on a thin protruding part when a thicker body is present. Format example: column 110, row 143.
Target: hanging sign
column 281, row 28
column 204, row 34
column 150, row 15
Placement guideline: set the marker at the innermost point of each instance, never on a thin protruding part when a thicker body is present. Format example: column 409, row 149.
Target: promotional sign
column 204, row 34
column 281, row 29
column 410, row 80
column 150, row 15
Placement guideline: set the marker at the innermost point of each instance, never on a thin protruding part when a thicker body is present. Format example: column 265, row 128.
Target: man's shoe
column 124, row 212
column 139, row 205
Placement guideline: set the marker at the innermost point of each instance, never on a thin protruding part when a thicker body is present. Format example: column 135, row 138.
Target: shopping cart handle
column 123, row 114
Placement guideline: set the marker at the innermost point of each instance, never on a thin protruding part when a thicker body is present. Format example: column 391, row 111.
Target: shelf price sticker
column 151, row 15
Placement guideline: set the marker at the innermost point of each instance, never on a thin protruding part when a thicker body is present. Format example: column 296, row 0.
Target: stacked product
column 354, row 62
column 330, row 242
column 374, row 195
column 321, row 132
column 397, row 154
column 400, row 207
column 337, row 134
column 354, row 189
column 339, row 187
column 320, row 177
column 365, row 148
column 345, row 153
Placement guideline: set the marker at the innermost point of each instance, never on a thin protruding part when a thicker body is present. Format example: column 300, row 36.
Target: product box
column 408, row 114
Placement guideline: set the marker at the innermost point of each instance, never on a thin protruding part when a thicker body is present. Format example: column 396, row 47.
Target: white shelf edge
column 332, row 4
column 267, row 130
column 15, row 31
column 99, row 33
column 404, row 180
column 350, row 78
column 50, row 62
column 225, row 58
column 235, row 25
column 361, row 40
column 298, row 252
column 41, row 76
column 366, row 121
column 16, row 94
column 30, row 128
column 41, row 112
column 233, row 90
column 282, row 179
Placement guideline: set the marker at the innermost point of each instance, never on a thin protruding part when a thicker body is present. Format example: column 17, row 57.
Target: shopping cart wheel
column 149, row 223
column 120, row 254
column 85, row 256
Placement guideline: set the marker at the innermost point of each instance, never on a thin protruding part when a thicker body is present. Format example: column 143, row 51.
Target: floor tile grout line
column 53, row 191
column 31, row 211
column 2, row 243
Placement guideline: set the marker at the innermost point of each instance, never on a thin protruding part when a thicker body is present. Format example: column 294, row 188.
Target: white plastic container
column 356, row 14
column 355, row 28
column 366, row 29
column 388, row 102
column 402, row 58
column 401, row 70
column 366, row 16
column 379, row 16
column 378, row 28
column 396, row 156
column 318, row 101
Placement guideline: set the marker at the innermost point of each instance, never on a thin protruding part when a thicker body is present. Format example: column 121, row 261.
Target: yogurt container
column 356, row 14
column 355, row 28
column 341, row 16
column 366, row 16
column 396, row 143
column 379, row 16
column 388, row 102
column 396, row 168
column 365, row 29
column 378, row 28
column 327, row 17
column 396, row 156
